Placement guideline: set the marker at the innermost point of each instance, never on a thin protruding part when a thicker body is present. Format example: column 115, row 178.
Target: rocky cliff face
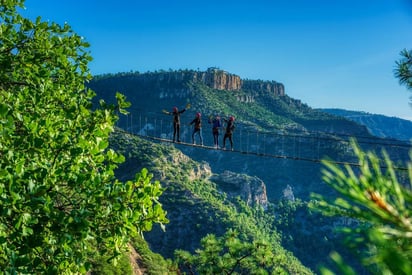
column 220, row 80
column 214, row 78
column 265, row 87
column 250, row 189
column 177, row 85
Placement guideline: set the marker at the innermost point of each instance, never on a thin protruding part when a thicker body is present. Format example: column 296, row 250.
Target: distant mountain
column 378, row 125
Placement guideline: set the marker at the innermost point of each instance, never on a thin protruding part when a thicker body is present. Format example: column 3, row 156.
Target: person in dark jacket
column 216, row 124
column 176, row 121
column 230, row 127
column 197, row 129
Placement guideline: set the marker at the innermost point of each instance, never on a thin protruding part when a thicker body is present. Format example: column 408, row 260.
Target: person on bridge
column 230, row 127
column 176, row 120
column 216, row 124
column 197, row 129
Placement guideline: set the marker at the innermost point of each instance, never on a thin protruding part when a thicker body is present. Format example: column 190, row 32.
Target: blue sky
column 329, row 54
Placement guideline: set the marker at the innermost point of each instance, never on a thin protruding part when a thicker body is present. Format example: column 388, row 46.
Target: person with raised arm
column 176, row 120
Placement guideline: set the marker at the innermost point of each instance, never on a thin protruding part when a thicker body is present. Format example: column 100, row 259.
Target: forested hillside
column 151, row 92
column 197, row 206
column 200, row 201
column 293, row 135
column 277, row 139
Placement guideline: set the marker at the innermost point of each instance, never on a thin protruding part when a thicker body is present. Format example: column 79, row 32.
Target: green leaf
column 4, row 109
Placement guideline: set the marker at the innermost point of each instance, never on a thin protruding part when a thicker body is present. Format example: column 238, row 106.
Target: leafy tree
column 374, row 196
column 229, row 255
column 59, row 198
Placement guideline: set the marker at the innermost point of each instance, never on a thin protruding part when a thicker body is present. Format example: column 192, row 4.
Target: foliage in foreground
column 104, row 266
column 403, row 71
column 59, row 198
column 153, row 263
column 229, row 255
column 374, row 196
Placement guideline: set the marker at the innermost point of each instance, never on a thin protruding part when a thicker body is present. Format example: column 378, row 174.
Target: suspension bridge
column 297, row 146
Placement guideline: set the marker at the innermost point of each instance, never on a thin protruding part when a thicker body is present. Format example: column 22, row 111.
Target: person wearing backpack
column 216, row 124
column 230, row 127
column 197, row 129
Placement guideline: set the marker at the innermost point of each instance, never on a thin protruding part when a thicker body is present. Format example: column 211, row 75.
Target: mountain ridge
column 177, row 88
column 214, row 78
column 378, row 124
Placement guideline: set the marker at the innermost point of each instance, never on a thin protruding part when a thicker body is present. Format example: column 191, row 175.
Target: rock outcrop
column 174, row 85
column 213, row 77
column 220, row 80
column 250, row 189
column 265, row 87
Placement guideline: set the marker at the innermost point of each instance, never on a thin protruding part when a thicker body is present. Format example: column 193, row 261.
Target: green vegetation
column 153, row 263
column 375, row 198
column 59, row 199
column 103, row 265
column 255, row 110
column 210, row 101
column 189, row 195
column 230, row 255
column 209, row 209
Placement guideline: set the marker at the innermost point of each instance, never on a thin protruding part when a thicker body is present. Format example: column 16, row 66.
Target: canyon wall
column 213, row 78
